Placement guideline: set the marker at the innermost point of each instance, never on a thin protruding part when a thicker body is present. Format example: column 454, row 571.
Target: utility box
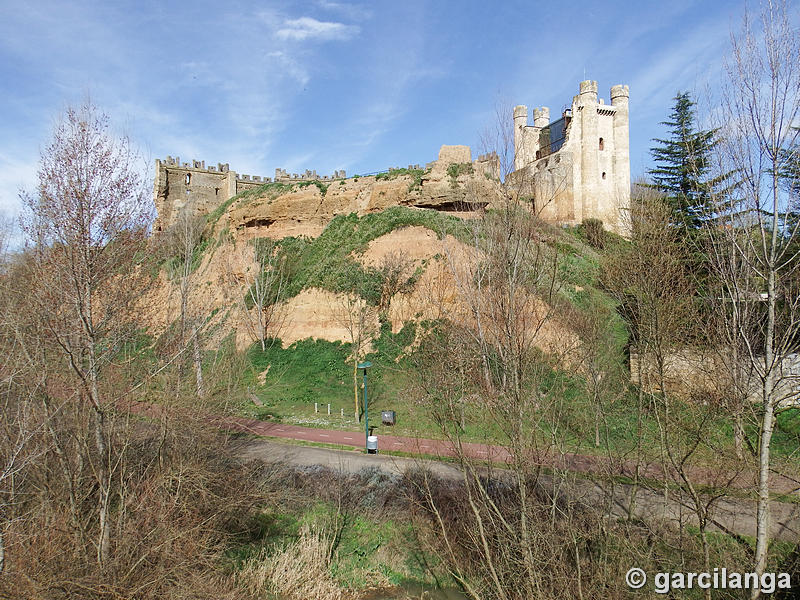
column 388, row 417
column 372, row 444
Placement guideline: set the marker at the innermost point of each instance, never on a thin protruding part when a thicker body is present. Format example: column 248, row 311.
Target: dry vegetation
column 101, row 500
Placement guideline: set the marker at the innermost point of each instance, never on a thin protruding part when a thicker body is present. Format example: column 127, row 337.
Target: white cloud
column 291, row 67
column 308, row 28
column 352, row 11
column 18, row 175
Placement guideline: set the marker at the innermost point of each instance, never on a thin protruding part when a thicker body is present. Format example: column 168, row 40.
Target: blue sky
column 327, row 84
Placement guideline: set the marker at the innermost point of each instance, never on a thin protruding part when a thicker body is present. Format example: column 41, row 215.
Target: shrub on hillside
column 595, row 233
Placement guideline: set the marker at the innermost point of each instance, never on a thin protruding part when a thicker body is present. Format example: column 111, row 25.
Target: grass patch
column 365, row 547
column 457, row 169
column 416, row 176
column 327, row 261
column 323, row 188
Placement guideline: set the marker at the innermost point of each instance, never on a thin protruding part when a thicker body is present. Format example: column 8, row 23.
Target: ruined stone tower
column 196, row 189
column 577, row 167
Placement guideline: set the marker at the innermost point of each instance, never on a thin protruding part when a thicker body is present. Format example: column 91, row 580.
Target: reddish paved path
column 578, row 463
column 357, row 440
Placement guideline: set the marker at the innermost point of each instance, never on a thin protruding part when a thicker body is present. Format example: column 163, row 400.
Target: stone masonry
column 577, row 167
column 193, row 187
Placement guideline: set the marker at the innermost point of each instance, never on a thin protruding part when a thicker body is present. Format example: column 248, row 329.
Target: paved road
column 578, row 463
column 731, row 514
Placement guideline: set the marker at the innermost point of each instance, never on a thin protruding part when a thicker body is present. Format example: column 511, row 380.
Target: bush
column 595, row 233
column 298, row 571
column 457, row 169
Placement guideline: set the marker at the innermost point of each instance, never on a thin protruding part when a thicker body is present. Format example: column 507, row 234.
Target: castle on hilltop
column 199, row 189
column 577, row 167
column 571, row 169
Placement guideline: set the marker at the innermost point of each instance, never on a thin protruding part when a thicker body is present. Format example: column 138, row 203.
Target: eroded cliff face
column 282, row 210
column 454, row 185
column 220, row 283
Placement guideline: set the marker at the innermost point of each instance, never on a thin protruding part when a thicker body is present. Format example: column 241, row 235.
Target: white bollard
column 316, row 410
column 329, row 408
column 342, row 412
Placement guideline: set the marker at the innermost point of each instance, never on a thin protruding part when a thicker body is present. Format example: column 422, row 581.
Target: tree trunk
column 765, row 439
column 104, row 480
column 198, row 363
column 356, row 414
column 738, row 434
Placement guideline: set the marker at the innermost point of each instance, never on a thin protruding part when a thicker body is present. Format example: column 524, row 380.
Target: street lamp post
column 366, row 365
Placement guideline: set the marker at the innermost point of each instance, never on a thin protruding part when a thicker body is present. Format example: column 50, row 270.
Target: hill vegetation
column 644, row 412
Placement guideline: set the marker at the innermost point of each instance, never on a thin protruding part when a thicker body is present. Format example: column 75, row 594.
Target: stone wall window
column 188, row 178
column 604, row 174
column 601, row 144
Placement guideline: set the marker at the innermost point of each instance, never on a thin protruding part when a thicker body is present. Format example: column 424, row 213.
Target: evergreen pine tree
column 682, row 165
column 789, row 172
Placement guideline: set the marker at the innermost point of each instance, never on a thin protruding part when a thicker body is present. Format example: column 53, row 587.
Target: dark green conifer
column 683, row 165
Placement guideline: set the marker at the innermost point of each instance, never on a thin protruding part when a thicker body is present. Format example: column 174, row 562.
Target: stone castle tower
column 197, row 189
column 577, row 167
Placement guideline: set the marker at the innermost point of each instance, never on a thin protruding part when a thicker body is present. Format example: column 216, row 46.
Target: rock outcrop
column 452, row 183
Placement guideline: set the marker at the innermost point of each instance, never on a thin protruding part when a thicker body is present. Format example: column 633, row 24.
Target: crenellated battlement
column 199, row 165
column 253, row 178
column 200, row 188
column 577, row 167
column 283, row 176
column 197, row 188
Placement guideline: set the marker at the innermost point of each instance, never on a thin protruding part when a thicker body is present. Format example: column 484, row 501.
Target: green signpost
column 366, row 365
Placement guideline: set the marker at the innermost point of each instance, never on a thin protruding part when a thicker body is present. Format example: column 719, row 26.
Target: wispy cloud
column 683, row 64
column 308, row 28
column 353, row 11
column 291, row 66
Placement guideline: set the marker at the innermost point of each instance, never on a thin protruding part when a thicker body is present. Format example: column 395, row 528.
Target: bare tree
column 19, row 426
column 653, row 282
column 396, row 271
column 491, row 359
column 359, row 319
column 755, row 248
column 266, row 280
column 85, row 225
column 185, row 244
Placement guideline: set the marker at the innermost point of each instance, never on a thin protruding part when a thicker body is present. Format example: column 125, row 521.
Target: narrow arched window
column 601, row 144
column 188, row 178
column 538, row 154
column 604, row 174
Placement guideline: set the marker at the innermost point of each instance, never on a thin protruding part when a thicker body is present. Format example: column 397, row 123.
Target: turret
column 590, row 174
column 588, row 92
column 541, row 117
column 619, row 96
column 520, row 122
column 622, row 174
